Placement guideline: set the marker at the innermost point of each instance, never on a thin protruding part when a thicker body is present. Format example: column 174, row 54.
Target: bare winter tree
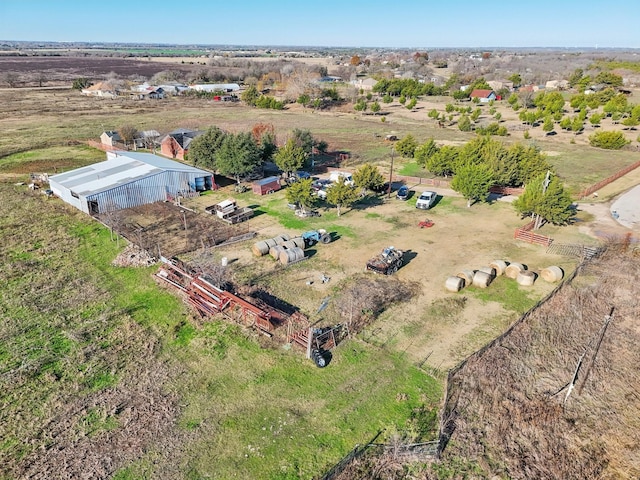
column 300, row 81
column 11, row 79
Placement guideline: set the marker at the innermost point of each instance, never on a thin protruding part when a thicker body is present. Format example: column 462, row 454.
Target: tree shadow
column 367, row 202
column 257, row 211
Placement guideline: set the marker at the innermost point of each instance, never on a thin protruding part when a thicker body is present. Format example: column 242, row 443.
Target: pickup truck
column 426, row 200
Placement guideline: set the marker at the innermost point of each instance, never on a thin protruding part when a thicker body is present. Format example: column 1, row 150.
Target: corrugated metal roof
column 119, row 169
column 266, row 181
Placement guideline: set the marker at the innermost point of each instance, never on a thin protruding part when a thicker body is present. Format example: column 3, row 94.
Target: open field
column 104, row 371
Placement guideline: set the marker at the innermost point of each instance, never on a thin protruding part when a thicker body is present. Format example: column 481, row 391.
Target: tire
column 318, row 358
column 326, row 238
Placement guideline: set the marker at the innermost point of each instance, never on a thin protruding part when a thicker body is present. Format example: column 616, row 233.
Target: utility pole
column 390, row 174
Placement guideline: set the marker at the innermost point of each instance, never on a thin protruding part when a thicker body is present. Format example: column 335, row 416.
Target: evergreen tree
column 473, row 182
column 342, row 195
column 464, row 124
column 424, row 152
column 203, row 148
column 300, row 193
column 238, row 156
column 552, row 203
column 443, row 162
column 290, row 157
column 406, row 146
column 368, row 177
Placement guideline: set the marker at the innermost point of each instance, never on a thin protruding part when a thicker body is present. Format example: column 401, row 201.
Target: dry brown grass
column 506, row 408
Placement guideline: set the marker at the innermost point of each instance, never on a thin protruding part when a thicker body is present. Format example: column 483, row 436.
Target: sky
column 331, row 23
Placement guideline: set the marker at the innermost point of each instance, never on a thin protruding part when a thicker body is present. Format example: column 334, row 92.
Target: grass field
column 72, row 329
column 98, row 363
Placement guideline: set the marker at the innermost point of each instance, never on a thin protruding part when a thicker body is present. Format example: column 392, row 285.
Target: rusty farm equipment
column 209, row 300
column 387, row 262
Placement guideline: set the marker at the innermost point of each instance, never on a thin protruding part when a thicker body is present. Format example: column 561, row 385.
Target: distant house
column 146, row 139
column 176, row 144
column 366, row 84
column 485, row 96
column 101, row 89
column 500, row 84
column 110, row 138
column 556, row 85
column 128, row 179
column 151, row 93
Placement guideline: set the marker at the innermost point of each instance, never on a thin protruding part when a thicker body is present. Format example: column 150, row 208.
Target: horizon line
column 466, row 47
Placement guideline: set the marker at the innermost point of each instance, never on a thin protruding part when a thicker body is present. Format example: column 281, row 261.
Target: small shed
column 266, row 185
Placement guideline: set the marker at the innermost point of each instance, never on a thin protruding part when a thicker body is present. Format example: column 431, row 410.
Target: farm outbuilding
column 484, row 96
column 266, row 185
column 128, row 179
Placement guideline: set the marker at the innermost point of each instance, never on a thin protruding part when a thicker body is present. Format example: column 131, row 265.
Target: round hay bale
column 291, row 255
column 500, row 266
column 287, row 244
column 281, row 238
column 467, row 276
column 272, row 241
column 454, row 284
column 526, row 278
column 481, row 279
column 260, row 248
column 490, row 270
column 514, row 269
column 552, row 274
column 224, row 261
column 275, row 251
column 298, row 242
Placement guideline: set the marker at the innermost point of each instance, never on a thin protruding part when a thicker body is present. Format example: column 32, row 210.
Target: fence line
column 525, row 234
column 357, row 452
column 574, row 250
column 448, row 414
column 596, row 186
column 107, row 148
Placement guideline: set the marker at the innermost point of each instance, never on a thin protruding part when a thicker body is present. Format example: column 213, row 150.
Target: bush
column 608, row 140
column 407, row 146
column 492, row 129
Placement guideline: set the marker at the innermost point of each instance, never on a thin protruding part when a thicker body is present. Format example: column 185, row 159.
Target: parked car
column 344, row 176
column 320, row 184
column 426, row 200
column 403, row 193
column 322, row 193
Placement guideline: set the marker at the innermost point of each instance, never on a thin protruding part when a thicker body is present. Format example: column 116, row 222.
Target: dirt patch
column 60, row 69
column 133, row 256
column 164, row 229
